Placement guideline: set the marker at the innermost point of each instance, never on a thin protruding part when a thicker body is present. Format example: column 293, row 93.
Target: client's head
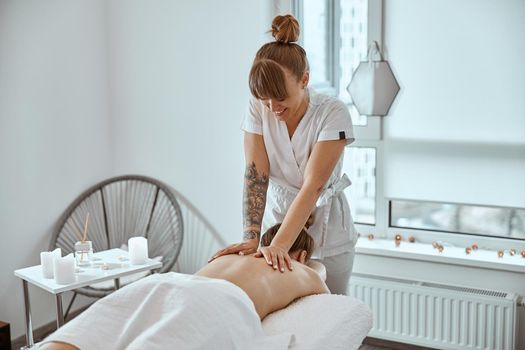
column 301, row 249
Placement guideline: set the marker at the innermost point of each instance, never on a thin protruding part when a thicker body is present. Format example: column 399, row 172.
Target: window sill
column 451, row 255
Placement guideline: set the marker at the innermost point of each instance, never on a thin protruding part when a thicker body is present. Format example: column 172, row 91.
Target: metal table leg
column 29, row 323
column 60, row 313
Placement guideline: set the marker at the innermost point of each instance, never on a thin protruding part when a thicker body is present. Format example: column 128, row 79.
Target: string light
column 440, row 247
column 398, row 239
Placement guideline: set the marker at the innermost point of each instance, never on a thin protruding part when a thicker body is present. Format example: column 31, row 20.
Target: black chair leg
column 70, row 304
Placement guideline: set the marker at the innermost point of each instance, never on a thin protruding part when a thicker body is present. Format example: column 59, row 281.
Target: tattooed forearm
column 255, row 187
column 251, row 234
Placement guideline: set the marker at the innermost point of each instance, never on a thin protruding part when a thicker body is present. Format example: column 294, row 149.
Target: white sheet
column 322, row 322
column 171, row 311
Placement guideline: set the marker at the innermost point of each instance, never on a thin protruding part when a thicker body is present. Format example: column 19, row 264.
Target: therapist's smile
column 279, row 113
column 278, row 110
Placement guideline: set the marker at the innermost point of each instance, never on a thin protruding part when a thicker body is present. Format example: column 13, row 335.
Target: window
column 354, row 44
column 325, row 24
column 458, row 218
column 335, row 36
column 360, row 162
column 316, row 30
column 431, row 167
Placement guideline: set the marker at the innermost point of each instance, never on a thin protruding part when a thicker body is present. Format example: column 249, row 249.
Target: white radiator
column 438, row 316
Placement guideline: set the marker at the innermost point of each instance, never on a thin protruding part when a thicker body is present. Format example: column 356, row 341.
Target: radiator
column 438, row 316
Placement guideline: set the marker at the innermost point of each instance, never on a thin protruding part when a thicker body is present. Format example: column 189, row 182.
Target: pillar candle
column 47, row 262
column 64, row 269
column 138, row 250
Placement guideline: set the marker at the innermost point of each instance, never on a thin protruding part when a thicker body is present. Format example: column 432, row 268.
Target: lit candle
column 138, row 250
column 64, row 269
column 47, row 262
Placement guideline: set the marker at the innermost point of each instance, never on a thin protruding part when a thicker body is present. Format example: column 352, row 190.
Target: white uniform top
column 326, row 118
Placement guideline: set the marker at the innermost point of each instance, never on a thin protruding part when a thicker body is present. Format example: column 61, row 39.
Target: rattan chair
column 120, row 208
column 201, row 239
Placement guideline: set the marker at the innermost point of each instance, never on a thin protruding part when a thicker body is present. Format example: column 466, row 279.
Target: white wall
column 458, row 121
column 92, row 89
column 54, row 131
column 179, row 76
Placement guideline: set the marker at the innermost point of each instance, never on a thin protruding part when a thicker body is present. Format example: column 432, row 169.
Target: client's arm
column 58, row 346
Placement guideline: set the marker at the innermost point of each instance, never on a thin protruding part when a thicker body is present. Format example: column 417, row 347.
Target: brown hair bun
column 285, row 29
column 309, row 222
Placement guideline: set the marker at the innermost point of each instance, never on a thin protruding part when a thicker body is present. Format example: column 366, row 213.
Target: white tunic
column 326, row 118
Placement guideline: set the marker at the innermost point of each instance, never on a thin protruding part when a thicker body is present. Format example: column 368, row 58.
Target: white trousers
column 338, row 270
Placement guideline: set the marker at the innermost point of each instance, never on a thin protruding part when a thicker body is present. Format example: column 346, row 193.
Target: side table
column 107, row 265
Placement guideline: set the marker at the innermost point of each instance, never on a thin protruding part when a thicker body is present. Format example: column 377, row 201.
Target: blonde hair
column 267, row 76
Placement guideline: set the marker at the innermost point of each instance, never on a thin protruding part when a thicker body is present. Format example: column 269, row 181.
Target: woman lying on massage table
column 210, row 301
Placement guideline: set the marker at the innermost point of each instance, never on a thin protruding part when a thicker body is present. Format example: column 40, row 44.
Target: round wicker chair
column 120, row 208
column 201, row 238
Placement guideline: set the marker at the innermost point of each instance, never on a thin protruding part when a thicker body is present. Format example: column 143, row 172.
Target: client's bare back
column 269, row 289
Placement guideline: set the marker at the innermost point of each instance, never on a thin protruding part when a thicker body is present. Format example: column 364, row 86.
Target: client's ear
column 302, row 256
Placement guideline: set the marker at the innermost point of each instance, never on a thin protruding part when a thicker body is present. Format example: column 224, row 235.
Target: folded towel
column 322, row 321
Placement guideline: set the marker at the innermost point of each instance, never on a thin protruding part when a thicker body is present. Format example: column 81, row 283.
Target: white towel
column 171, row 311
column 322, row 321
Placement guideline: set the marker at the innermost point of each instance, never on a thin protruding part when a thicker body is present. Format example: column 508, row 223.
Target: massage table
column 313, row 322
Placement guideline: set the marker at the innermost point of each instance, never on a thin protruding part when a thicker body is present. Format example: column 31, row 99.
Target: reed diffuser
column 84, row 248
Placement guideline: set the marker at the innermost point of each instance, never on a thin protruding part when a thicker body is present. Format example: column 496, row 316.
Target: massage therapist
column 293, row 142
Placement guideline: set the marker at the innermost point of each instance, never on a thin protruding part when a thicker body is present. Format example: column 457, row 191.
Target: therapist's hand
column 249, row 246
column 276, row 257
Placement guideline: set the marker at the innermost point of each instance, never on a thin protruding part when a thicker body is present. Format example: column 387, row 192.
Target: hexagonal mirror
column 373, row 87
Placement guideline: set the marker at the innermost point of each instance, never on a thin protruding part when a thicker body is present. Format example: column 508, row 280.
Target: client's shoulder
column 312, row 280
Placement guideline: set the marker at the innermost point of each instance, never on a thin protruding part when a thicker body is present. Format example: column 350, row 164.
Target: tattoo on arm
column 255, row 188
column 251, row 234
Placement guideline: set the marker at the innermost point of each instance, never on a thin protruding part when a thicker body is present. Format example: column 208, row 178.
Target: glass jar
column 83, row 253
